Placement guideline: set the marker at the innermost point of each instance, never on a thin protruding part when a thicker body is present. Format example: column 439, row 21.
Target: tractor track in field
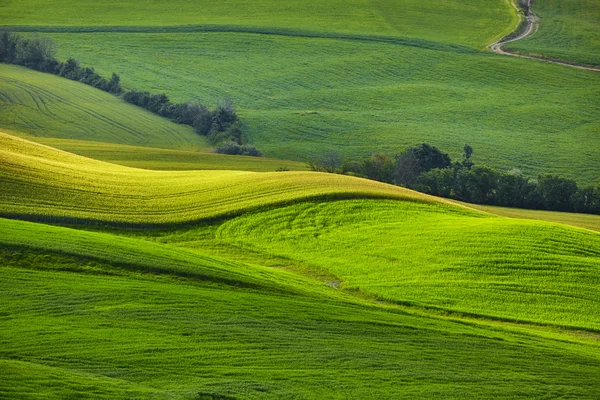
column 532, row 23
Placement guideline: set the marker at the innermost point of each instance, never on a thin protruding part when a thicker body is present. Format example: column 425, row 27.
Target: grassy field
column 268, row 304
column 437, row 256
column 151, row 268
column 301, row 97
column 40, row 182
column 166, row 159
column 471, row 22
column 48, row 106
column 568, row 31
column 312, row 86
column 149, row 321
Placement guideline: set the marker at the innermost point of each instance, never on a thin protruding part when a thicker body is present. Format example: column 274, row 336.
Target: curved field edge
column 134, row 336
column 586, row 221
column 44, row 184
column 128, row 318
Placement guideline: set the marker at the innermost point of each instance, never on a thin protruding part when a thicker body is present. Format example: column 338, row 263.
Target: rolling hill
column 48, row 106
column 145, row 320
column 136, row 264
column 268, row 304
column 314, row 86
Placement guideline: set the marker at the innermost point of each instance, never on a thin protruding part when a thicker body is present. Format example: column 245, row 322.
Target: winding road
column 532, row 25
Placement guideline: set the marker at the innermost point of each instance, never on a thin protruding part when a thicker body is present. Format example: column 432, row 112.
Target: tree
column 557, row 193
column 438, row 182
column 114, row 85
column 481, row 183
column 329, row 162
column 416, row 160
column 378, row 167
column 467, row 153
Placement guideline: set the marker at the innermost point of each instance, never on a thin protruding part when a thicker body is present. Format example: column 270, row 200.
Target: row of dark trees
column 39, row 54
column 427, row 169
column 221, row 125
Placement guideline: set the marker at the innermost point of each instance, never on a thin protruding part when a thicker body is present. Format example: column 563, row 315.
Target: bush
column 237, row 149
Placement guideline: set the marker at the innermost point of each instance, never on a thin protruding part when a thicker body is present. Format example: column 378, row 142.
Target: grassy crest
column 166, row 159
column 301, row 97
column 43, row 183
column 568, row 31
column 48, row 106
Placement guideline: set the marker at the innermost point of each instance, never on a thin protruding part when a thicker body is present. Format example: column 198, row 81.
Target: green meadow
column 135, row 263
column 470, row 22
column 302, row 97
column 266, row 303
column 132, row 324
column 167, row 159
column 568, row 31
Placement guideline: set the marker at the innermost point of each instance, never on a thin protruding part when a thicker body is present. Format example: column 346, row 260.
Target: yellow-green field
column 167, row 159
column 40, row 182
column 135, row 263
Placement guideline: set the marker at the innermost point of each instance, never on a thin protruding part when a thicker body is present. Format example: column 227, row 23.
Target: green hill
column 568, row 31
column 166, row 159
column 48, row 106
column 43, row 183
column 301, row 97
column 88, row 315
column 354, row 78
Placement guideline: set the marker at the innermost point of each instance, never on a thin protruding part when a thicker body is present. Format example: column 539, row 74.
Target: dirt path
column 532, row 24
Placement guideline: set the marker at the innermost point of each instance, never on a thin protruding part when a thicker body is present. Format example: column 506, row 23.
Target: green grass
column 587, row 221
column 82, row 322
column 301, row 97
column 42, row 183
column 167, row 159
column 471, row 22
column 48, row 106
column 568, row 31
column 434, row 256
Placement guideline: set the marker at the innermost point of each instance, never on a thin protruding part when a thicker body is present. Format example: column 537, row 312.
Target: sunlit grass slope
column 167, row 159
column 89, row 315
column 471, row 22
column 569, row 30
column 49, row 106
column 40, row 182
column 587, row 221
column 438, row 256
column 301, row 97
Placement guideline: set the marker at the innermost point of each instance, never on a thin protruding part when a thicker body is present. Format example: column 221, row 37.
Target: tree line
column 428, row 170
column 220, row 125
